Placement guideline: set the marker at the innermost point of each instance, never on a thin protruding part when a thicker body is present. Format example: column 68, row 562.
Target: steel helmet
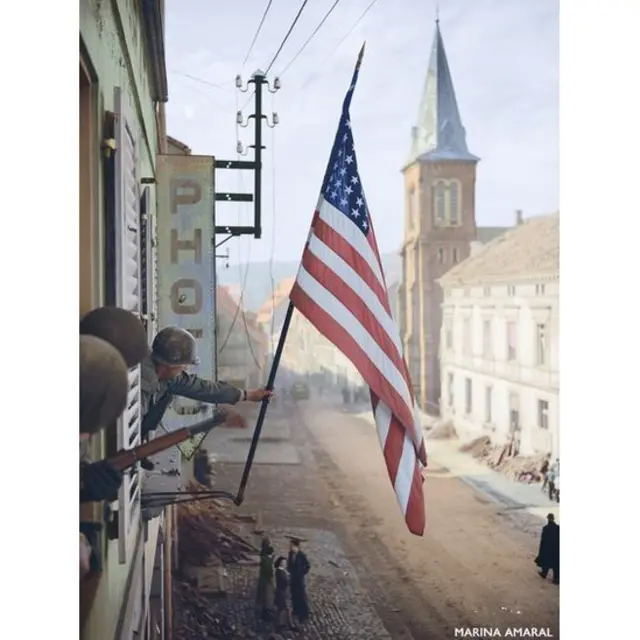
column 104, row 384
column 121, row 328
column 174, row 346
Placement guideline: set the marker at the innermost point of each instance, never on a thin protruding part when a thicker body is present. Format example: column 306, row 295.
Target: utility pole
column 259, row 80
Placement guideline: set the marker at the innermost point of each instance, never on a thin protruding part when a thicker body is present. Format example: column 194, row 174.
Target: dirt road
column 472, row 570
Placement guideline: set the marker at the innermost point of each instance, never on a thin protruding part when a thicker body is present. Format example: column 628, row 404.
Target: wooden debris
column 505, row 459
column 208, row 540
column 205, row 529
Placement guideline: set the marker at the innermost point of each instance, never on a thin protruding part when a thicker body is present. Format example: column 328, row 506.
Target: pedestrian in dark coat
column 298, row 566
column 280, row 600
column 549, row 553
column 264, row 591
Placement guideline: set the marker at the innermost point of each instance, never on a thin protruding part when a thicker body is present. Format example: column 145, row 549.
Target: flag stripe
column 360, row 287
column 379, row 370
column 404, row 470
column 341, row 290
column 329, row 228
column 343, row 248
column 338, row 277
column 344, row 227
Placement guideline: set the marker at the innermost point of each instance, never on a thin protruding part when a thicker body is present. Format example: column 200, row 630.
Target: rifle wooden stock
column 128, row 457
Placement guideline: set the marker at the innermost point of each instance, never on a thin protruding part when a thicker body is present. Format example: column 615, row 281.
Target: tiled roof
column 529, row 249
column 180, row 145
column 228, row 305
column 487, row 234
column 225, row 301
column 280, row 294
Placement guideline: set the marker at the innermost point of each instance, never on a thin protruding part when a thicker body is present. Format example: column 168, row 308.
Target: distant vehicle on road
column 300, row 391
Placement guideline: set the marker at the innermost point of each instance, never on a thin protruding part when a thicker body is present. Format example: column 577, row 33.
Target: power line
column 293, row 24
column 338, row 45
column 257, row 33
column 209, row 97
column 308, row 40
column 201, row 80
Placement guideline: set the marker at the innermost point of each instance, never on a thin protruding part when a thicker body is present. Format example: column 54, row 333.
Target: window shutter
column 128, row 290
column 153, row 275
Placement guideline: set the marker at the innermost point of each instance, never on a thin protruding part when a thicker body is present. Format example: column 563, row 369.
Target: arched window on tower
column 447, row 205
column 411, row 211
column 439, row 202
column 454, row 203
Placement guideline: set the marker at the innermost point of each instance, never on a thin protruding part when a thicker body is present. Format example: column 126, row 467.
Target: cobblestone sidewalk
column 340, row 608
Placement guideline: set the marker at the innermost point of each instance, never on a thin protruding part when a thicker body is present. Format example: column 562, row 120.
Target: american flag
column 340, row 288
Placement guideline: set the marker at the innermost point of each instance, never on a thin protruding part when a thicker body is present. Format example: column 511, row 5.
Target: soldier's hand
column 234, row 419
column 99, row 481
column 258, row 395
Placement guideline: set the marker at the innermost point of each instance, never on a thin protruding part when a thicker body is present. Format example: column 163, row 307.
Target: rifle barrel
column 126, row 458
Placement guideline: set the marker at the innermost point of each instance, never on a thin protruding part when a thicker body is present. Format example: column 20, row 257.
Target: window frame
column 543, row 414
column 468, row 396
column 512, row 357
column 447, row 202
column 541, row 344
column 488, row 404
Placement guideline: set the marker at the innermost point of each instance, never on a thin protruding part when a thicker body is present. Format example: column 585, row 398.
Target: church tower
column 439, row 182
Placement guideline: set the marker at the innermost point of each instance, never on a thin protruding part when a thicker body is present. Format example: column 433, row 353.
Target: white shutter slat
column 128, row 297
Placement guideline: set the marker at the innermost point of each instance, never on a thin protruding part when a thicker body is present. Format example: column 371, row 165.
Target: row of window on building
column 514, row 412
column 511, row 289
column 541, row 342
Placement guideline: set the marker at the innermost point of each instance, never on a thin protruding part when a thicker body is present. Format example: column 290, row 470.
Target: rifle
column 126, row 458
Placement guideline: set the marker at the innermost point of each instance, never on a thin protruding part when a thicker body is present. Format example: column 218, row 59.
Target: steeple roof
column 439, row 134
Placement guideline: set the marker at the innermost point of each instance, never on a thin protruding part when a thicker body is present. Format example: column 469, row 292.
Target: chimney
column 519, row 219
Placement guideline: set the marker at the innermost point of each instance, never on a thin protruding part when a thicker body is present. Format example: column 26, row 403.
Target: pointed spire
column 439, row 134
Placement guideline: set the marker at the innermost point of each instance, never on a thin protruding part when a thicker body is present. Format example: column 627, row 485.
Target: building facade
column 122, row 91
column 440, row 222
column 242, row 343
column 499, row 354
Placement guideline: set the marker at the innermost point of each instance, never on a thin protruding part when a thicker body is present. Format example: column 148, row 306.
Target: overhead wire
column 308, row 40
column 339, row 44
column 209, row 97
column 239, row 309
column 275, row 57
column 284, row 40
column 257, row 33
column 243, row 279
column 201, row 80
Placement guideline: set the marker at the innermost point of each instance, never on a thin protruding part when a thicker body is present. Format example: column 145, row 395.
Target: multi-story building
column 123, row 88
column 440, row 222
column 242, row 344
column 499, row 354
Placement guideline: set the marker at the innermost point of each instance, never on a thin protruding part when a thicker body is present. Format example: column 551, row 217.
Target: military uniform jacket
column 157, row 394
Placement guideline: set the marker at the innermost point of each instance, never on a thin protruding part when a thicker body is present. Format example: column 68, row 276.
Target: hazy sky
column 503, row 56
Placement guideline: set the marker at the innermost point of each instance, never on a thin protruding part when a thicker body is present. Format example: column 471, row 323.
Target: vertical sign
column 186, row 291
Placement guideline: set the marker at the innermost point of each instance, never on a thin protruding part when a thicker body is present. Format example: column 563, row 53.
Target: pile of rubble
column 443, row 431
column 505, row 459
column 208, row 540
column 209, row 530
